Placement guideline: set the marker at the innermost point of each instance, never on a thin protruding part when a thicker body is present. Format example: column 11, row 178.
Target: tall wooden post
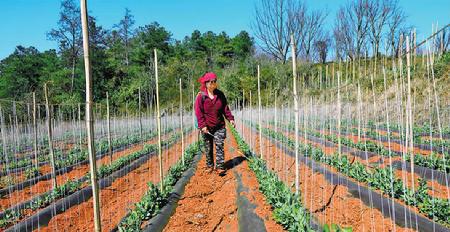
column 50, row 136
column 339, row 112
column 140, row 116
column 158, row 118
column 35, row 136
column 259, row 115
column 181, row 124
column 242, row 111
column 409, row 111
column 108, row 121
column 193, row 107
column 294, row 75
column 89, row 116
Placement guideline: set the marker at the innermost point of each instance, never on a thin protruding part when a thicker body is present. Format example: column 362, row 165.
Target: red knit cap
column 207, row 77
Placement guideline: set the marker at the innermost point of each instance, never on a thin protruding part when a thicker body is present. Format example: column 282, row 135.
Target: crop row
column 381, row 179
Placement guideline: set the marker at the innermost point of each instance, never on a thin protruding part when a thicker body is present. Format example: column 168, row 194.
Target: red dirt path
column 209, row 201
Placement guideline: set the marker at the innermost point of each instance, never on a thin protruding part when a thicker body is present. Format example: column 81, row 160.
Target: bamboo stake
column 294, row 75
column 359, row 111
column 181, row 124
column 50, row 136
column 35, row 136
column 3, row 129
column 251, row 120
column 193, row 106
column 409, row 110
column 242, row 111
column 158, row 118
column 339, row 112
column 259, row 115
column 89, row 119
column 108, row 119
column 140, row 115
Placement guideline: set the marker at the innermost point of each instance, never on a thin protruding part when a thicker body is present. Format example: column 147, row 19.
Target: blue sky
column 26, row 22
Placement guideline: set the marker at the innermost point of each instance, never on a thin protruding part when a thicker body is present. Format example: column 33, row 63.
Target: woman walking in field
column 210, row 108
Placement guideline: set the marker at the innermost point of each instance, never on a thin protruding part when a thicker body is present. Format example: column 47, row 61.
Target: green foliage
column 287, row 207
column 32, row 172
column 336, row 228
column 72, row 186
column 380, row 178
column 442, row 65
column 154, row 199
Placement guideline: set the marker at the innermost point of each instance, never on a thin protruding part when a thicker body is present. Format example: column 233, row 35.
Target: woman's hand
column 232, row 123
column 205, row 130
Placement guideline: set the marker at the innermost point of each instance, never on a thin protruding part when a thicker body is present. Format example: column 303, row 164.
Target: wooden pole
column 294, row 75
column 89, row 117
column 242, row 111
column 50, row 136
column 108, row 121
column 4, row 150
column 35, row 136
column 339, row 111
column 181, row 124
column 251, row 120
column 193, row 106
column 409, row 111
column 259, row 115
column 140, row 115
column 79, row 125
column 359, row 111
column 158, row 118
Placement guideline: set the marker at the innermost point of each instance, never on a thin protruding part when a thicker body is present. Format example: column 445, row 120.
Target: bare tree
column 321, row 47
column 351, row 28
column 343, row 39
column 274, row 21
column 395, row 28
column 379, row 13
column 125, row 32
column 313, row 30
column 68, row 34
column 442, row 40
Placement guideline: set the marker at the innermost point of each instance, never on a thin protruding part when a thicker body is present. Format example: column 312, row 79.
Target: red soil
column 343, row 209
column 76, row 173
column 394, row 146
column 116, row 199
column 435, row 189
column 208, row 203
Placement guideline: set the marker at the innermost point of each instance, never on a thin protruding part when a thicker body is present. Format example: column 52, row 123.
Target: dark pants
column 218, row 139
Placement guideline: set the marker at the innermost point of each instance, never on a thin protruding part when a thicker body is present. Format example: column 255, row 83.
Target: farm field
column 219, row 116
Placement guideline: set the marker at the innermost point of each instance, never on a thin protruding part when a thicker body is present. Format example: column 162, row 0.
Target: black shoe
column 221, row 171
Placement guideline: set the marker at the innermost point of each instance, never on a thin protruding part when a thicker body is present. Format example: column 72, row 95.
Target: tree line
column 122, row 61
column 122, row 57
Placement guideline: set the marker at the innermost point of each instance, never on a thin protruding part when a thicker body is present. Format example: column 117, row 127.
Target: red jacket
column 210, row 113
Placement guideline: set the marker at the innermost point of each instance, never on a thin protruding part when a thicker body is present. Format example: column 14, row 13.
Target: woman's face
column 211, row 85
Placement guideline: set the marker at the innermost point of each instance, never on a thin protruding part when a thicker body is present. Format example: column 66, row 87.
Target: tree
column 25, row 71
column 396, row 27
column 125, row 32
column 68, row 35
column 351, row 28
column 243, row 45
column 99, row 60
column 313, row 30
column 274, row 21
column 379, row 12
column 321, row 47
column 147, row 38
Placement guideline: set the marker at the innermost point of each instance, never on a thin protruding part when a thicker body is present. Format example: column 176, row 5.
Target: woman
column 210, row 108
